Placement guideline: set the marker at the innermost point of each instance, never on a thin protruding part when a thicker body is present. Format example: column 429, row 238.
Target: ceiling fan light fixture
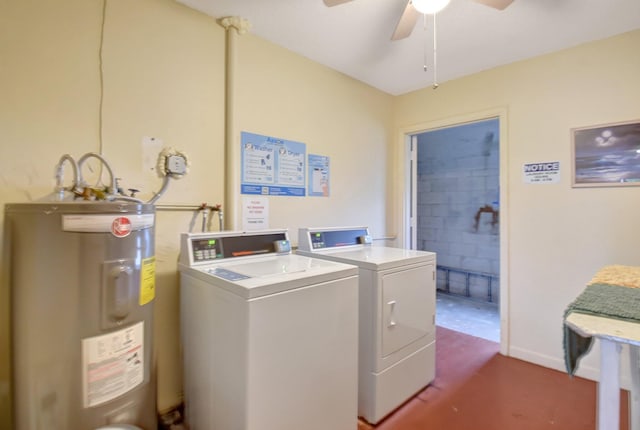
column 429, row 7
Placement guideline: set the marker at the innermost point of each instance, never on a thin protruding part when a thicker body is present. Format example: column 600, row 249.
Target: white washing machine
column 269, row 337
column 397, row 314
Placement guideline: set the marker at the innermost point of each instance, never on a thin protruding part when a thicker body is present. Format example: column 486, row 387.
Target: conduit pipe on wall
column 204, row 208
column 234, row 27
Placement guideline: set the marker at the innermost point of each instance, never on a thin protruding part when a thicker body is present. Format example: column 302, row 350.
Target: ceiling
column 355, row 37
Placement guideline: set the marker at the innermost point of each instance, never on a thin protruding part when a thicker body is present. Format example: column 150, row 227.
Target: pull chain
column 424, row 23
column 435, row 68
column 435, row 48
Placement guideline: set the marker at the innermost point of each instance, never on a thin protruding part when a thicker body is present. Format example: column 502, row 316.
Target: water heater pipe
column 112, row 188
column 60, row 188
column 234, row 27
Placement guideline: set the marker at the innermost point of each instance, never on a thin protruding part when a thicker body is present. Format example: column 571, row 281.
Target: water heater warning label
column 147, row 280
column 112, row 364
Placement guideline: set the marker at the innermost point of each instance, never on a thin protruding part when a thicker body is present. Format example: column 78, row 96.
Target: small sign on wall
column 542, row 173
column 318, row 175
column 255, row 213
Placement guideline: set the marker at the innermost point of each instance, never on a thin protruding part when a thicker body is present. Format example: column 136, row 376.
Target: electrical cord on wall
column 101, row 75
column 100, row 93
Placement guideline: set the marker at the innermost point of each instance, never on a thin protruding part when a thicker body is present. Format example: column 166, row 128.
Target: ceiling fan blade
column 406, row 23
column 496, row 4
column 330, row 3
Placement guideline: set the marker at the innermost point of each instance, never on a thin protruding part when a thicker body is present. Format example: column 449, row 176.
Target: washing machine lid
column 260, row 276
column 352, row 245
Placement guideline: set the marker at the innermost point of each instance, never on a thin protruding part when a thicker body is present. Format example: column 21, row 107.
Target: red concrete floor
column 476, row 388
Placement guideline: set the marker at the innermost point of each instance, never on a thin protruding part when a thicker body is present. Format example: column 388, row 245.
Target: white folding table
column 612, row 333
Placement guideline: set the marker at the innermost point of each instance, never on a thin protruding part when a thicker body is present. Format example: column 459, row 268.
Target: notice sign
column 542, row 173
column 255, row 213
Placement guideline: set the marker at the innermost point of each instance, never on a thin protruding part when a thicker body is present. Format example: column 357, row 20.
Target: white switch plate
column 151, row 147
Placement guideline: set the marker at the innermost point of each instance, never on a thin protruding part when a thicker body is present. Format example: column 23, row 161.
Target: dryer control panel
column 311, row 239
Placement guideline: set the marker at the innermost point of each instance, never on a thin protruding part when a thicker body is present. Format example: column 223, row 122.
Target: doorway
column 455, row 184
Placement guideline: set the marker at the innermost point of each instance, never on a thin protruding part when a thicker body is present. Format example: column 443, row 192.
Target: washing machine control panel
column 198, row 248
column 206, row 249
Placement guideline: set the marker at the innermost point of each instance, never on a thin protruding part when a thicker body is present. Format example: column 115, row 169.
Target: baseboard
column 584, row 371
column 548, row 361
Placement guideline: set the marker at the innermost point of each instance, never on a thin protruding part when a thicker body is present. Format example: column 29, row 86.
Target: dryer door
column 408, row 305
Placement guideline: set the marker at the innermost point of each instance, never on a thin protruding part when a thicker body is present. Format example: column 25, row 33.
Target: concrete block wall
column 458, row 202
column 479, row 286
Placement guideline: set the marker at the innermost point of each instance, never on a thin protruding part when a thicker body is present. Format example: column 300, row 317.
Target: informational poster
column 272, row 166
column 318, row 175
column 542, row 173
column 255, row 213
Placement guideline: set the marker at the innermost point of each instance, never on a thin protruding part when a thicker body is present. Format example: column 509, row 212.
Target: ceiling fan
column 415, row 8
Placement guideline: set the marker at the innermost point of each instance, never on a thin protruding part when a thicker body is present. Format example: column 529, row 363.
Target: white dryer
column 269, row 338
column 397, row 314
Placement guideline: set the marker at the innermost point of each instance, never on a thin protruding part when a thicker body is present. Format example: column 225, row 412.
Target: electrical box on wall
column 176, row 164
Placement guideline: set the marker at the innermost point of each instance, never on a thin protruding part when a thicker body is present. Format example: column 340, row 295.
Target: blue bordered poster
column 318, row 175
column 272, row 166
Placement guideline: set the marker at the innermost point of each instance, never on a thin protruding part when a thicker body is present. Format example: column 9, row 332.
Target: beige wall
column 163, row 67
column 557, row 236
column 284, row 95
column 163, row 76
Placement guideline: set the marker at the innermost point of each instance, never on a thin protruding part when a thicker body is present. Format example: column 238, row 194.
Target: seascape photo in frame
column 606, row 155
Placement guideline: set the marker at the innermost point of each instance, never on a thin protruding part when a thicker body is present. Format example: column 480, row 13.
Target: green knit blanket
column 605, row 300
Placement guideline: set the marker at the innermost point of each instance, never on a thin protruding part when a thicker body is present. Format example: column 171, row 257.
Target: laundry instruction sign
column 272, row 166
column 542, row 173
column 318, row 175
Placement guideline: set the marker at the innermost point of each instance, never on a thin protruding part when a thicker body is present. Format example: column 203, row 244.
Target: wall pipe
column 206, row 209
column 234, row 27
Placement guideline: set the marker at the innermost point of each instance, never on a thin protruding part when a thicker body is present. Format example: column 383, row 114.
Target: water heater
column 82, row 287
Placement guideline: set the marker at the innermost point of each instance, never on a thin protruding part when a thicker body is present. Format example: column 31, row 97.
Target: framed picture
column 606, row 155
